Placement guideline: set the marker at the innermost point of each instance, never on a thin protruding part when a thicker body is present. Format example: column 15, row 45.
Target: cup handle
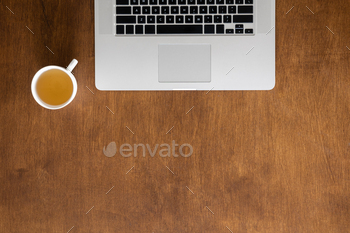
column 71, row 65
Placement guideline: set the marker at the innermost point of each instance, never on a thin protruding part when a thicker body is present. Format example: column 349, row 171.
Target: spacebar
column 179, row 29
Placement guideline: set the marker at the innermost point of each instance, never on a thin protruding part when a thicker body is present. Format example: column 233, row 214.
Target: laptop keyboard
column 184, row 17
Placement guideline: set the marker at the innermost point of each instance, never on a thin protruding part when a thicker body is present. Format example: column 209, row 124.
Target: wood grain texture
column 263, row 161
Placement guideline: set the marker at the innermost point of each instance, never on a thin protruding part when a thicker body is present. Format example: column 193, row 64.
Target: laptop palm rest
column 184, row 63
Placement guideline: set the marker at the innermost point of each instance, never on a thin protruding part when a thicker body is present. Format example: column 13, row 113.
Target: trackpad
column 184, row 63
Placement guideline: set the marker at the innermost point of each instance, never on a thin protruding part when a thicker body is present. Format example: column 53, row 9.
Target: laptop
column 184, row 44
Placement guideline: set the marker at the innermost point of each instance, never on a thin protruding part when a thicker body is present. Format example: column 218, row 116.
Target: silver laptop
column 184, row 44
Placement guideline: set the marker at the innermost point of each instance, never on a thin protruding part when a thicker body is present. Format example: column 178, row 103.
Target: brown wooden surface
column 263, row 161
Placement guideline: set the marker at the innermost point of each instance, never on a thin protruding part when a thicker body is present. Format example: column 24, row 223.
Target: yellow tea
column 54, row 87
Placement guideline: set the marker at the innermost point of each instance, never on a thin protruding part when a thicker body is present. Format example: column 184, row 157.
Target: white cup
column 68, row 71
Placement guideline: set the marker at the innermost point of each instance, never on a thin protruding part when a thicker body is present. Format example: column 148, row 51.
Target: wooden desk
column 263, row 161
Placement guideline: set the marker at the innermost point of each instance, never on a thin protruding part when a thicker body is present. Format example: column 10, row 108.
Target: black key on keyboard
column 155, row 10
column 122, row 2
column 239, row 26
column 249, row 31
column 229, row 31
column 134, row 2
column 217, row 19
column 182, row 2
column 143, row 2
column 179, row 29
column 189, row 19
column 232, row 9
column 248, row 1
column 150, row 29
column 212, row 9
column 245, row 9
column 139, row 29
column 170, row 19
column 194, row 9
column 220, row 29
column 174, row 10
column 203, row 9
column 120, row 29
column 141, row 19
column 239, row 31
column 200, row 2
column 208, row 19
column 191, row 2
column 209, row 29
column 146, row 10
column 151, row 19
column 136, row 10
column 153, row 2
column 210, row 1
column 220, row 2
column 126, row 19
column 242, row 18
column 123, row 10
column 227, row 18
column 162, row 2
column 129, row 29
column 222, row 9
column 184, row 10
column 172, row 2
column 179, row 19
column 229, row 2
column 198, row 19
column 165, row 10
column 160, row 19
column 239, row 1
